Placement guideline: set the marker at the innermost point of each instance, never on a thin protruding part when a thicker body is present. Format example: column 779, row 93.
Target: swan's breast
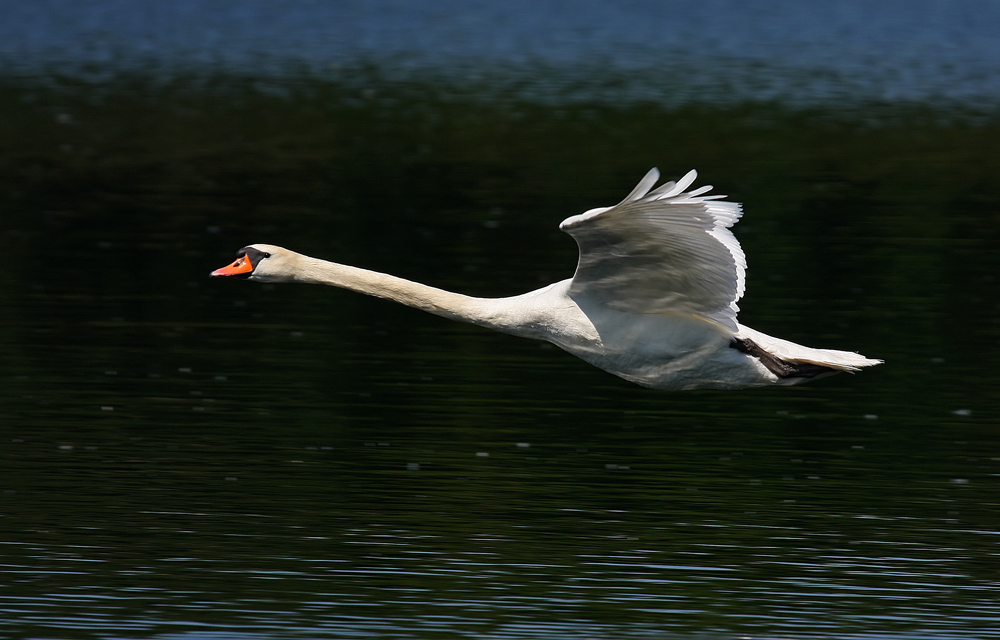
column 546, row 314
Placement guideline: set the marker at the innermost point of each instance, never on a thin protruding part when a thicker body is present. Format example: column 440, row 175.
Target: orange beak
column 241, row 267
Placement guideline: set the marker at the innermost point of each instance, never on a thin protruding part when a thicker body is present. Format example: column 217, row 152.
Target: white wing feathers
column 662, row 251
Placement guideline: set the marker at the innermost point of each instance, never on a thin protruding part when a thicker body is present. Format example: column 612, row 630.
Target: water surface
column 680, row 51
column 188, row 458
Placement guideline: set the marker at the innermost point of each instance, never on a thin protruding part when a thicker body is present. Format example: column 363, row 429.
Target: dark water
column 804, row 51
column 188, row 458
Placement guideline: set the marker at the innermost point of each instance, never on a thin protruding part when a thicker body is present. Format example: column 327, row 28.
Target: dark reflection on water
column 184, row 457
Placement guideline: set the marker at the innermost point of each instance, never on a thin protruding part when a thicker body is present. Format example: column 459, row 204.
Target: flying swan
column 653, row 299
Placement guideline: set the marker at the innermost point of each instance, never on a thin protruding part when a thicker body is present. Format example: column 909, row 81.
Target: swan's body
column 653, row 299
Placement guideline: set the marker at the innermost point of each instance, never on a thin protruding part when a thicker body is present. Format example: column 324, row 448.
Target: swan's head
column 261, row 262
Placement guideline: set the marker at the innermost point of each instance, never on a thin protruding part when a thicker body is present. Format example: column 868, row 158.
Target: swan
column 653, row 299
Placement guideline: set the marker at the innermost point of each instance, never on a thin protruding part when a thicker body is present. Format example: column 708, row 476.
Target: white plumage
column 653, row 300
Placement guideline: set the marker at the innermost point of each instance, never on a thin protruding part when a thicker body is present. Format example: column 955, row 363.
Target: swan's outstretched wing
column 661, row 250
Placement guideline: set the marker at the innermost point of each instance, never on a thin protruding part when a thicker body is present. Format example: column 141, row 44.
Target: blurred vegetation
column 275, row 148
column 343, row 142
column 872, row 228
column 898, row 201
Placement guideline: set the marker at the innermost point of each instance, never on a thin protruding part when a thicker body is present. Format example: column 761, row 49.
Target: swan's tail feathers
column 788, row 359
column 848, row 361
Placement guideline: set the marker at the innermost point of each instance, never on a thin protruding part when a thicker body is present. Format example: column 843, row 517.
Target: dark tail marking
column 777, row 366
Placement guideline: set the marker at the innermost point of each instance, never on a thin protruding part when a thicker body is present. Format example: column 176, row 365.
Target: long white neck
column 488, row 312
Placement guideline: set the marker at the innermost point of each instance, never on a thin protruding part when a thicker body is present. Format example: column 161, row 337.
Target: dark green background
column 186, row 456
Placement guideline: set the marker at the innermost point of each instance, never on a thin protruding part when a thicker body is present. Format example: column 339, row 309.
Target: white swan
column 653, row 299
